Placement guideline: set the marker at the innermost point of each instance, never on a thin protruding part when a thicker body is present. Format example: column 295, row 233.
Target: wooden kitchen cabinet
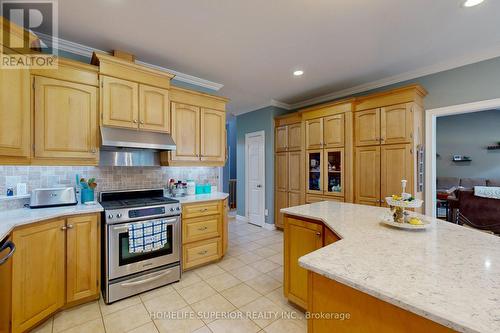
column 38, row 276
column 301, row 237
column 294, row 199
column 333, row 131
column 82, row 257
column 294, row 137
column 154, row 109
column 185, row 132
column 280, row 201
column 281, row 135
column 15, row 116
column 314, row 133
column 282, row 171
column 120, row 106
column 200, row 253
column 367, row 127
column 6, row 290
column 225, row 226
column 396, row 124
column 396, row 163
column 213, row 135
column 294, row 171
column 368, row 175
column 65, row 120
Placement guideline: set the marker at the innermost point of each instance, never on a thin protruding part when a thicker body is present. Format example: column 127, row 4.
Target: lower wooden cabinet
column 318, row 198
column 225, row 226
column 300, row 238
column 204, row 233
column 55, row 263
column 280, row 201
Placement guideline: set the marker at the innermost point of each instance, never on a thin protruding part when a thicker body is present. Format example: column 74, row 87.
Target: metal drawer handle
column 203, row 252
column 203, row 209
column 64, row 227
column 12, row 248
column 70, row 226
column 203, row 228
column 154, row 278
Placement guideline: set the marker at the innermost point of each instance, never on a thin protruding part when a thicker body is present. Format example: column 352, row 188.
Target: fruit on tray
column 415, row 221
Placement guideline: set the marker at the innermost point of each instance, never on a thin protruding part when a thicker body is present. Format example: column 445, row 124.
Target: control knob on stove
column 110, row 216
column 172, row 209
column 119, row 215
column 178, row 208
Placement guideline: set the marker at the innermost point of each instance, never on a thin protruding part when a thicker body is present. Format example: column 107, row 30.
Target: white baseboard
column 241, row 218
column 269, row 226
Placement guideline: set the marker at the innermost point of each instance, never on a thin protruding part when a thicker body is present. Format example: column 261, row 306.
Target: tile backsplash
column 107, row 178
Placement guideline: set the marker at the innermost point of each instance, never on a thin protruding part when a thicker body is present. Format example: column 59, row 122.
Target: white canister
column 191, row 187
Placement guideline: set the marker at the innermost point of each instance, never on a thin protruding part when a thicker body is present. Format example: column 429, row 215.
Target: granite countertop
column 448, row 273
column 15, row 217
column 202, row 197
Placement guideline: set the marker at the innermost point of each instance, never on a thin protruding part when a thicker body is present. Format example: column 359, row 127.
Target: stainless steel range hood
column 123, row 147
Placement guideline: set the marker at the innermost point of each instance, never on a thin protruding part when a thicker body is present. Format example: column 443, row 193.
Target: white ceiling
column 252, row 47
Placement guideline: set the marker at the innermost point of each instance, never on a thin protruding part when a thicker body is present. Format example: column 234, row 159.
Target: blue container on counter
column 87, row 195
column 200, row 189
column 207, row 188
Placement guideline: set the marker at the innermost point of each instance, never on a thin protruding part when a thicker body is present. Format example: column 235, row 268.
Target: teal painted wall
column 475, row 82
column 260, row 120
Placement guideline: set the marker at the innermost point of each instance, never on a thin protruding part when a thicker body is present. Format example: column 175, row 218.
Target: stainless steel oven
column 127, row 273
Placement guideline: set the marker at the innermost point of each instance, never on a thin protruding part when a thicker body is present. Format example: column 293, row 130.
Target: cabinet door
column 82, row 257
column 225, row 226
column 281, row 134
column 293, row 199
column 281, row 201
column 213, row 135
column 154, row 109
column 294, row 171
column 396, row 124
column 38, row 275
column 120, row 106
column 15, row 113
column 282, row 171
column 294, row 137
column 333, row 131
column 186, row 132
column 314, row 171
column 65, row 119
column 368, row 175
column 333, row 172
column 367, row 127
column 301, row 238
column 396, row 165
column 314, row 133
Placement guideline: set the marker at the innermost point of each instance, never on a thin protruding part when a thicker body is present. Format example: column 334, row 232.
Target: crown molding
column 281, row 104
column 86, row 51
column 424, row 71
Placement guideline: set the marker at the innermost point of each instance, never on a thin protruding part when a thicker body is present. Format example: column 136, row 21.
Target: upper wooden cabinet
column 294, row 137
column 333, row 131
column 65, row 120
column 367, row 127
column 120, row 105
column 15, row 119
column 213, row 135
column 396, row 124
column 314, row 133
column 281, row 135
column 198, row 129
column 154, row 109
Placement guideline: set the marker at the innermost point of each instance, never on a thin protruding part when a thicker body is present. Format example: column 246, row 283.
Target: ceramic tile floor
column 247, row 281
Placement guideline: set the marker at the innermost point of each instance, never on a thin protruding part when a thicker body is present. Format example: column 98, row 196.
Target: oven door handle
column 125, row 227
column 149, row 279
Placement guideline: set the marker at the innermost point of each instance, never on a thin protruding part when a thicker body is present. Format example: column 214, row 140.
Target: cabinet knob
column 93, row 150
column 318, row 234
column 135, row 121
column 202, row 252
column 142, row 122
column 63, row 228
column 70, row 226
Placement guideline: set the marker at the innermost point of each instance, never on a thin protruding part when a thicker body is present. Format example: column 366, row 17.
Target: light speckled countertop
column 16, row 217
column 202, row 197
column 449, row 274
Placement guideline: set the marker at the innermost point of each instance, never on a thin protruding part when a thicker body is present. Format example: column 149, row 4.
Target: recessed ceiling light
column 472, row 3
column 298, row 72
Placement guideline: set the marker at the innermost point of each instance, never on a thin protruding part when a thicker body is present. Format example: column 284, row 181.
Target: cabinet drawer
column 200, row 228
column 201, row 209
column 202, row 252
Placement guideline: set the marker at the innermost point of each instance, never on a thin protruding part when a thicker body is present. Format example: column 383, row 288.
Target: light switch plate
column 266, row 212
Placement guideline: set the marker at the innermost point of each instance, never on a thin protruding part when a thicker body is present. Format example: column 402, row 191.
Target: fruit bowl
column 399, row 202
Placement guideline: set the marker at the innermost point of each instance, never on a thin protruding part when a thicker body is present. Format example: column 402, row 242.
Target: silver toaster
column 53, row 197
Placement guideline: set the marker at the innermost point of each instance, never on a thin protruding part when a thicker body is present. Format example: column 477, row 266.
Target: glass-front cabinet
column 325, row 172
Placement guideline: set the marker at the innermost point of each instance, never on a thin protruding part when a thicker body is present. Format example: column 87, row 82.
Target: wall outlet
column 266, row 212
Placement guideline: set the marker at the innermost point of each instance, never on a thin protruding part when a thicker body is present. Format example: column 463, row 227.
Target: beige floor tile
column 94, row 326
column 204, row 329
column 277, row 247
column 285, row 326
column 206, row 308
column 263, row 284
column 249, row 257
column 242, row 239
column 233, row 326
column 76, row 316
column 187, row 279
column 277, row 258
column 166, row 303
column 185, row 321
column 277, row 296
column 196, row 292
column 230, row 264
column 156, row 292
column 126, row 319
column 148, row 328
column 250, row 246
column 265, row 252
column 223, row 281
column 117, row 306
column 264, row 265
column 240, row 295
column 245, row 273
column 266, row 241
column 46, row 327
column 206, row 272
column 267, row 311
column 277, row 274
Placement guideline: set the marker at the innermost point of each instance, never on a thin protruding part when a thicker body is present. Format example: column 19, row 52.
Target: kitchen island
column 443, row 279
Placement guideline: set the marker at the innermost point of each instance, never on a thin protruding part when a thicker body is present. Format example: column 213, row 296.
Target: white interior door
column 255, row 177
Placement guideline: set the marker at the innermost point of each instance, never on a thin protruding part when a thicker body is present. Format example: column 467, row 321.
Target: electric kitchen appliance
column 123, row 273
column 53, row 197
